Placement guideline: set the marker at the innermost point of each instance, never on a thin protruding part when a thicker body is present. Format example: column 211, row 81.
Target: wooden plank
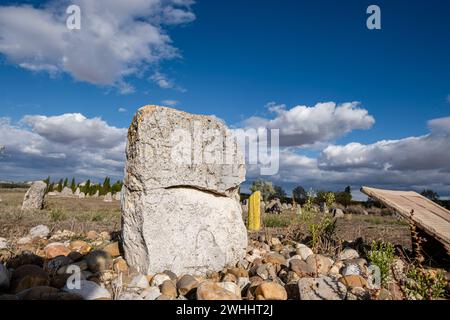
column 426, row 214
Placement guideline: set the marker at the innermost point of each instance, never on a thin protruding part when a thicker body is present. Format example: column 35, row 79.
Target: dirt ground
column 81, row 215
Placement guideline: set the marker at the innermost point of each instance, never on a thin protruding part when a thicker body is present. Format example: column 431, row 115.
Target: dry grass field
column 81, row 215
column 77, row 215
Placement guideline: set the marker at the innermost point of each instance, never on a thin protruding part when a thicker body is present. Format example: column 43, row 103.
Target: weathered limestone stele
column 254, row 211
column 34, row 198
column 179, row 205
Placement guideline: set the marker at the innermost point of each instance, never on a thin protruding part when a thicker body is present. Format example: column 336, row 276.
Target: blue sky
column 235, row 57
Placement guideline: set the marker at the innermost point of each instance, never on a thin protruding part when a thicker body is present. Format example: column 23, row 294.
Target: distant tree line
column 300, row 195
column 87, row 187
column 13, row 185
column 433, row 196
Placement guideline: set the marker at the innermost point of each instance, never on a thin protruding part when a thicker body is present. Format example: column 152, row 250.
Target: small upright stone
column 108, row 197
column 34, row 198
column 66, row 192
column 39, row 231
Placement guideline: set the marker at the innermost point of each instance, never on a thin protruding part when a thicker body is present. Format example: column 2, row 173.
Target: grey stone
column 348, row 253
column 66, row 192
column 321, row 264
column 351, row 269
column 322, row 288
column 242, row 282
column 129, row 296
column 232, row 287
column 338, row 213
column 34, row 198
column 4, row 243
column 303, row 251
column 39, row 231
column 158, row 279
column 140, row 281
column 175, row 215
column 89, row 290
column 151, row 293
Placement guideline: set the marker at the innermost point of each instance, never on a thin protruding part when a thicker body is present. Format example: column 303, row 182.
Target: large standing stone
column 180, row 210
column 34, row 198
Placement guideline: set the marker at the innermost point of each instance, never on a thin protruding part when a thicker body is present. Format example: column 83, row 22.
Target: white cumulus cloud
column 117, row 38
column 413, row 153
column 303, row 125
column 68, row 144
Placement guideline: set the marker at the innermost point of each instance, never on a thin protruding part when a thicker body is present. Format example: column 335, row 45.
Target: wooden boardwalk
column 427, row 215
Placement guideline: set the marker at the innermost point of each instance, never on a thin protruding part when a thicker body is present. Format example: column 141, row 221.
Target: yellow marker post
column 254, row 211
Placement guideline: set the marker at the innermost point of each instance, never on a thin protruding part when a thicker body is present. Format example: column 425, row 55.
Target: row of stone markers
column 67, row 193
column 35, row 195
